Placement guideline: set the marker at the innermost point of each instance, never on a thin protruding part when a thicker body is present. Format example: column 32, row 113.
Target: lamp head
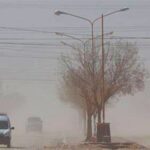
column 58, row 33
column 57, row 12
column 124, row 9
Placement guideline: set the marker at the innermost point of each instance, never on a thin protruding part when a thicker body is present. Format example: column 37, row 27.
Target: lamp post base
column 103, row 133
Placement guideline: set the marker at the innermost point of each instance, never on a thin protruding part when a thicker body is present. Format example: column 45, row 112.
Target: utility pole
column 103, row 71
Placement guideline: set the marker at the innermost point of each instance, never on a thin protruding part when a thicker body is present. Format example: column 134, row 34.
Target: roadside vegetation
column 81, row 86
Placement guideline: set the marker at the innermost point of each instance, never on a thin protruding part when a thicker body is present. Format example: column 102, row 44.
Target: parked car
column 5, row 130
column 34, row 124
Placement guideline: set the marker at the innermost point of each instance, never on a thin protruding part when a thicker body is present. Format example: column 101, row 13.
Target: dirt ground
column 93, row 147
column 46, row 142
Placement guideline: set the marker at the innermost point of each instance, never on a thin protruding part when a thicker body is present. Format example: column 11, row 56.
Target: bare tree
column 123, row 74
column 81, row 96
column 78, row 79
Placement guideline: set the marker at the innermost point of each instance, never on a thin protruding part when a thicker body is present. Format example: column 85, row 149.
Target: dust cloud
column 59, row 119
column 23, row 100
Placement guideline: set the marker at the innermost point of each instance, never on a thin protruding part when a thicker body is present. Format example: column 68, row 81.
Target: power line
column 39, row 80
column 30, row 39
column 28, row 57
column 26, row 44
column 134, row 28
column 24, row 29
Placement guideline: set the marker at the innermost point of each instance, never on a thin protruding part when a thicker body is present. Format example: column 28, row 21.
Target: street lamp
column 79, row 39
column 70, row 36
column 57, row 12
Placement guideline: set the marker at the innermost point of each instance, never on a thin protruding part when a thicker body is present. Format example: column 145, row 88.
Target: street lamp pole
column 57, row 12
column 103, row 59
column 93, row 50
column 103, row 65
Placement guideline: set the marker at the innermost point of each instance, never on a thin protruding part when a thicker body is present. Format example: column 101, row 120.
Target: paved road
column 37, row 142
column 29, row 142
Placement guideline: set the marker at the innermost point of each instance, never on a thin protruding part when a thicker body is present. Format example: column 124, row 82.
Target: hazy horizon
column 30, row 69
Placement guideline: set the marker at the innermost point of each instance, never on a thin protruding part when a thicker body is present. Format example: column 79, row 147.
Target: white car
column 5, row 130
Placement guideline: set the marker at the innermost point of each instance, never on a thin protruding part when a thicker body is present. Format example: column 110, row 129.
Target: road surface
column 45, row 142
column 29, row 142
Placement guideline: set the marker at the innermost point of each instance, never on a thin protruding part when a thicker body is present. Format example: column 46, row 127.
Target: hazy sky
column 29, row 57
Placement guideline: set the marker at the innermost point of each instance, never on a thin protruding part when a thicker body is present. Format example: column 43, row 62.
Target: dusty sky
column 29, row 59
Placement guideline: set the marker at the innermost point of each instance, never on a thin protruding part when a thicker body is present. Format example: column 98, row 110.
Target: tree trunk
column 89, row 127
column 84, row 122
column 99, row 115
column 94, row 121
